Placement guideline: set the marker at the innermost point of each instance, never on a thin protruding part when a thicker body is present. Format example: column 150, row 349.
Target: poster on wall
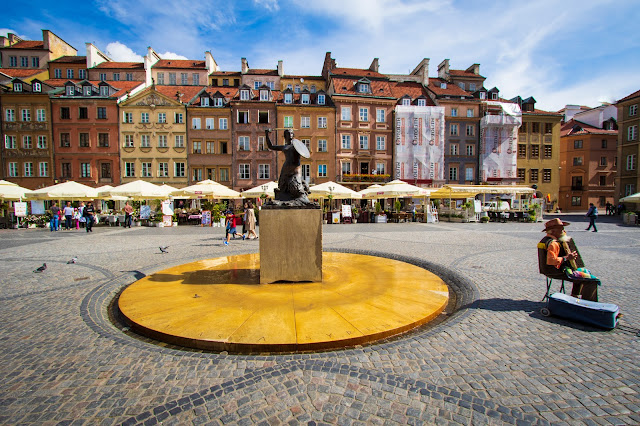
column 20, row 208
column 499, row 142
column 37, row 207
column 145, row 211
column 167, row 220
column 419, row 143
column 206, row 218
column 167, row 207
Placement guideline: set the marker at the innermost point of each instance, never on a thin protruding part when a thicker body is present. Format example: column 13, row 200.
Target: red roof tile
column 306, row 77
column 121, row 65
column 631, row 96
column 228, row 92
column 180, row 63
column 57, row 82
column 256, row 71
column 587, row 129
column 123, row 86
column 451, row 90
column 71, row 60
column 355, row 72
column 27, row 44
column 464, row 73
column 347, row 86
column 226, row 73
column 188, row 92
column 411, row 88
column 21, row 72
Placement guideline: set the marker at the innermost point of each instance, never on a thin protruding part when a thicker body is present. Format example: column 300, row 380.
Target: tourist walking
column 128, row 211
column 89, row 214
column 230, row 226
column 82, row 220
column 592, row 214
column 68, row 216
column 55, row 216
column 250, row 222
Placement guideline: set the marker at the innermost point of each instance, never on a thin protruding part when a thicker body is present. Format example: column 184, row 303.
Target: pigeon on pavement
column 73, row 260
column 42, row 268
column 163, row 249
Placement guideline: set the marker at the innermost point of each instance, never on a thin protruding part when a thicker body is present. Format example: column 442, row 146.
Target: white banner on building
column 419, row 143
column 499, row 142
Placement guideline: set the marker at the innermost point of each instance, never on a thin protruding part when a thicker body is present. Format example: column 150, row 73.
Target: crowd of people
column 248, row 224
column 83, row 216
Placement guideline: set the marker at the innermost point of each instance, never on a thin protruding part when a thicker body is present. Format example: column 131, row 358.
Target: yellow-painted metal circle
column 219, row 304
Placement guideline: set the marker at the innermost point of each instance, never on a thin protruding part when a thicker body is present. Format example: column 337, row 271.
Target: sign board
column 346, row 210
column 335, row 217
column 167, row 220
column 20, row 208
column 206, row 218
column 167, row 208
column 145, row 211
column 37, row 207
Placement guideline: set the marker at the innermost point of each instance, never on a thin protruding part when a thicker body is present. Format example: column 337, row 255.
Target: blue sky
column 560, row 52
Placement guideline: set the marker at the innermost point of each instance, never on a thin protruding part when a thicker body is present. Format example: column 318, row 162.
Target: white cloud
column 5, row 32
column 171, row 55
column 122, row 53
column 270, row 5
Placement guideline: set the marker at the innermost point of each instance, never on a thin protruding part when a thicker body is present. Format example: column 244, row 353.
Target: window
column 87, row 90
column 9, row 142
column 197, row 147
column 57, row 73
column 211, row 147
column 10, row 115
column 546, row 175
column 102, row 113
column 364, row 114
column 103, row 140
column 105, row 170
column 82, row 74
column 534, row 151
column 243, row 117
column 321, row 99
column 257, row 84
column 263, row 117
column 13, row 169
column 178, row 119
column 37, row 87
column 305, row 122
column 533, row 175
column 28, row 169
column 603, row 180
column 65, row 114
column 264, row 171
column 224, row 175
column 69, row 73
column 41, row 115
column 24, row 61
column 222, row 124
column 364, row 141
column 322, row 122
column 297, row 88
column 179, row 140
column 244, row 95
column 322, row 170
column 453, row 173
column 17, row 87
column 577, row 161
column 346, row 141
column 163, row 169
column 380, row 168
column 632, row 133
column 633, row 109
column 576, row 200
column 65, row 140
column 26, row 115
column 631, row 162
column 494, row 96
column 103, row 76
column 13, row 61
column 104, row 91
column 129, row 169
column 204, row 101
column 162, row 117
column 172, row 78
column 470, row 112
column 548, row 151
column 85, row 170
column 288, row 121
column 322, row 145
column 210, row 123
column 43, row 169
column 160, row 76
column 128, row 141
column 461, row 85
column 346, row 168
column 196, row 175
column 380, row 115
column 522, row 174
column 84, row 140
column 472, row 87
column 271, row 85
column 179, row 169
column 144, row 117
column 603, row 161
column 470, row 150
column 27, row 142
column 381, row 143
column 83, row 112
column 454, row 112
column 145, row 169
column 471, row 129
column 576, row 183
column 468, row 173
column 243, row 143
column 162, row 141
column 363, row 88
column 184, row 78
column 453, row 149
column 422, row 102
column 305, row 99
column 127, row 117
column 453, row 130
column 288, row 98
column 603, row 144
column 577, row 144
column 129, row 76
column 548, row 127
column 264, row 95
column 261, row 144
column 195, row 123
column 42, row 142
column 145, row 141
column 66, row 170
column 535, row 127
column 116, row 76
column 629, row 189
column 244, row 171
column 225, row 81
column 345, row 113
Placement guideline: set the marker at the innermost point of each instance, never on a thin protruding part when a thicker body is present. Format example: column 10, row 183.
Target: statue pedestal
column 290, row 245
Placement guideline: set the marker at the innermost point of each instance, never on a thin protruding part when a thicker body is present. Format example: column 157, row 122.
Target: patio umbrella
column 11, row 191
column 337, row 191
column 206, row 189
column 168, row 189
column 633, row 198
column 371, row 191
column 69, row 190
column 256, row 192
column 136, row 190
column 400, row 189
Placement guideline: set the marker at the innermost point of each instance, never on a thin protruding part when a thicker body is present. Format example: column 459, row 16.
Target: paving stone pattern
column 66, row 359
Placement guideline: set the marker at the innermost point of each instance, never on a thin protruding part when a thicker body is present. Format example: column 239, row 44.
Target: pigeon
column 73, row 260
column 41, row 269
column 164, row 249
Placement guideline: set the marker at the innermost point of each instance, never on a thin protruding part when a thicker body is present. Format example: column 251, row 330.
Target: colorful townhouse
column 539, row 150
column 364, row 105
column 69, row 68
column 209, row 135
column 85, row 131
column 153, row 134
column 182, row 72
column 588, row 159
column 18, row 53
column 628, row 181
column 27, row 155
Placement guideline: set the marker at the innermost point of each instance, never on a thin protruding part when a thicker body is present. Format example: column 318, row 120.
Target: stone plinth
column 290, row 245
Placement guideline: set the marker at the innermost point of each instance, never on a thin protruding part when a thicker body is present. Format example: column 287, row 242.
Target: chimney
column 328, row 65
column 422, row 70
column 443, row 70
column 475, row 68
column 374, row 65
column 280, row 69
column 149, row 60
column 212, row 65
column 245, row 66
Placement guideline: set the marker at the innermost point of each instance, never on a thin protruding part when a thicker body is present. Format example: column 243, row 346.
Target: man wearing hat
column 559, row 255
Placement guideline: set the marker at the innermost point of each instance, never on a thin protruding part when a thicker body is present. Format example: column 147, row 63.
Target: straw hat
column 554, row 222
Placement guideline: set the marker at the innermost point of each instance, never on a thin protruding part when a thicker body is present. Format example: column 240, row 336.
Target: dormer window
column 288, row 98
column 494, row 96
column 264, row 95
column 422, row 102
column 305, row 99
column 289, row 86
column 204, row 101
column 443, row 85
column 87, row 90
column 406, row 101
column 363, row 88
column 217, row 102
column 70, row 90
column 17, row 87
column 321, row 99
column 104, row 91
column 483, row 95
column 244, row 95
column 37, row 87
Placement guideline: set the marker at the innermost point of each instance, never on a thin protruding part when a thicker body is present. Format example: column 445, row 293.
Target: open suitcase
column 603, row 315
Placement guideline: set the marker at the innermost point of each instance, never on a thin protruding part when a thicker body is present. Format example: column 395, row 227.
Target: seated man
column 556, row 257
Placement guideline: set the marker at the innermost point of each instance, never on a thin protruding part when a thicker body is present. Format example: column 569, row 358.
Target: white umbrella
column 206, row 189
column 371, row 191
column 400, row 189
column 11, row 191
column 633, row 198
column 69, row 190
column 335, row 190
column 167, row 189
column 137, row 190
column 256, row 192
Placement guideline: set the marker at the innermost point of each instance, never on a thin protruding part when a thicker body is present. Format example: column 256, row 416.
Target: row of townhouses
column 99, row 121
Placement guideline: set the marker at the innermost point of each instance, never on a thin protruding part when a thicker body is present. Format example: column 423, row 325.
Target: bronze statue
column 292, row 189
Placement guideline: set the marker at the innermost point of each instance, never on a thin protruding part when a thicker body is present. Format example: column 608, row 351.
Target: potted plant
column 484, row 219
column 355, row 213
column 380, row 216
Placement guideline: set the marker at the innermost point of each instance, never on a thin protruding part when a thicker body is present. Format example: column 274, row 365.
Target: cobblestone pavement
column 495, row 361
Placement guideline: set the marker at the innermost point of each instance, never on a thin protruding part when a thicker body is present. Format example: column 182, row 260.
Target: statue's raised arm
column 270, row 145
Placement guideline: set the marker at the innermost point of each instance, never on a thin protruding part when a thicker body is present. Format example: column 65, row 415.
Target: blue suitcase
column 603, row 315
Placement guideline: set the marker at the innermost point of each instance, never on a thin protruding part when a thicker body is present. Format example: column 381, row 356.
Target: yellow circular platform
column 219, row 304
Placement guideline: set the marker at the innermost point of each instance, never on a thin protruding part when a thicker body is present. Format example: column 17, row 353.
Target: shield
column 301, row 148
